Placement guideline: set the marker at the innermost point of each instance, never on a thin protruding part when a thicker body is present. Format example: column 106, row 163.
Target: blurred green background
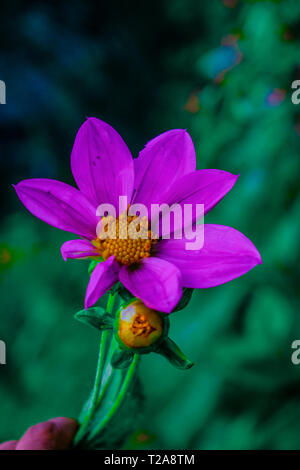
column 223, row 70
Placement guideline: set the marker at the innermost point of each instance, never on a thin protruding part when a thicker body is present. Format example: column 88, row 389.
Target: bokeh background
column 223, row 70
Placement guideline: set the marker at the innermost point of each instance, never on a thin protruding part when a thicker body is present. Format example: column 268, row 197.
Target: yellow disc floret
column 139, row 326
column 128, row 238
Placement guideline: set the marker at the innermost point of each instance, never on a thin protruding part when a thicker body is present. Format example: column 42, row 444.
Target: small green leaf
column 174, row 355
column 186, row 297
column 96, row 317
column 121, row 359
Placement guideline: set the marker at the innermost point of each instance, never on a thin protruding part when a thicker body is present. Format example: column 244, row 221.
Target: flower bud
column 139, row 326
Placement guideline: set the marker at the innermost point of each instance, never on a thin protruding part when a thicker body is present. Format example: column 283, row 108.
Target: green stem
column 110, row 302
column 125, row 386
column 110, row 305
column 108, row 380
column 98, row 379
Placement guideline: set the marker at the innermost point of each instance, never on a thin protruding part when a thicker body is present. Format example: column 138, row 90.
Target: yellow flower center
column 139, row 326
column 127, row 238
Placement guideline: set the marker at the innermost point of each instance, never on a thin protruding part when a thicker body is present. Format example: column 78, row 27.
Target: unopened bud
column 139, row 326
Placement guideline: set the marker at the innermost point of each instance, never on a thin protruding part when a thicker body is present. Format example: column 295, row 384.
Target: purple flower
column 164, row 172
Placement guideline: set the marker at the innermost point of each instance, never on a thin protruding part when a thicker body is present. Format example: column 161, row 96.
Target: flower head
column 152, row 269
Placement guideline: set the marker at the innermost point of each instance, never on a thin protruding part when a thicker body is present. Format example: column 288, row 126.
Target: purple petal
column 104, row 276
column 59, row 205
column 163, row 161
column 101, row 163
column 155, row 281
column 226, row 254
column 78, row 249
column 205, row 187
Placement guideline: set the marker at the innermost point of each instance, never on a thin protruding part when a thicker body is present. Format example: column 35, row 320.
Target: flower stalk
column 99, row 389
column 120, row 398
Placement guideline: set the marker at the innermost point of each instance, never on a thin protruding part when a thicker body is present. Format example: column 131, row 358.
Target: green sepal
column 125, row 295
column 121, row 359
column 96, row 317
column 174, row 355
column 185, row 299
column 94, row 263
